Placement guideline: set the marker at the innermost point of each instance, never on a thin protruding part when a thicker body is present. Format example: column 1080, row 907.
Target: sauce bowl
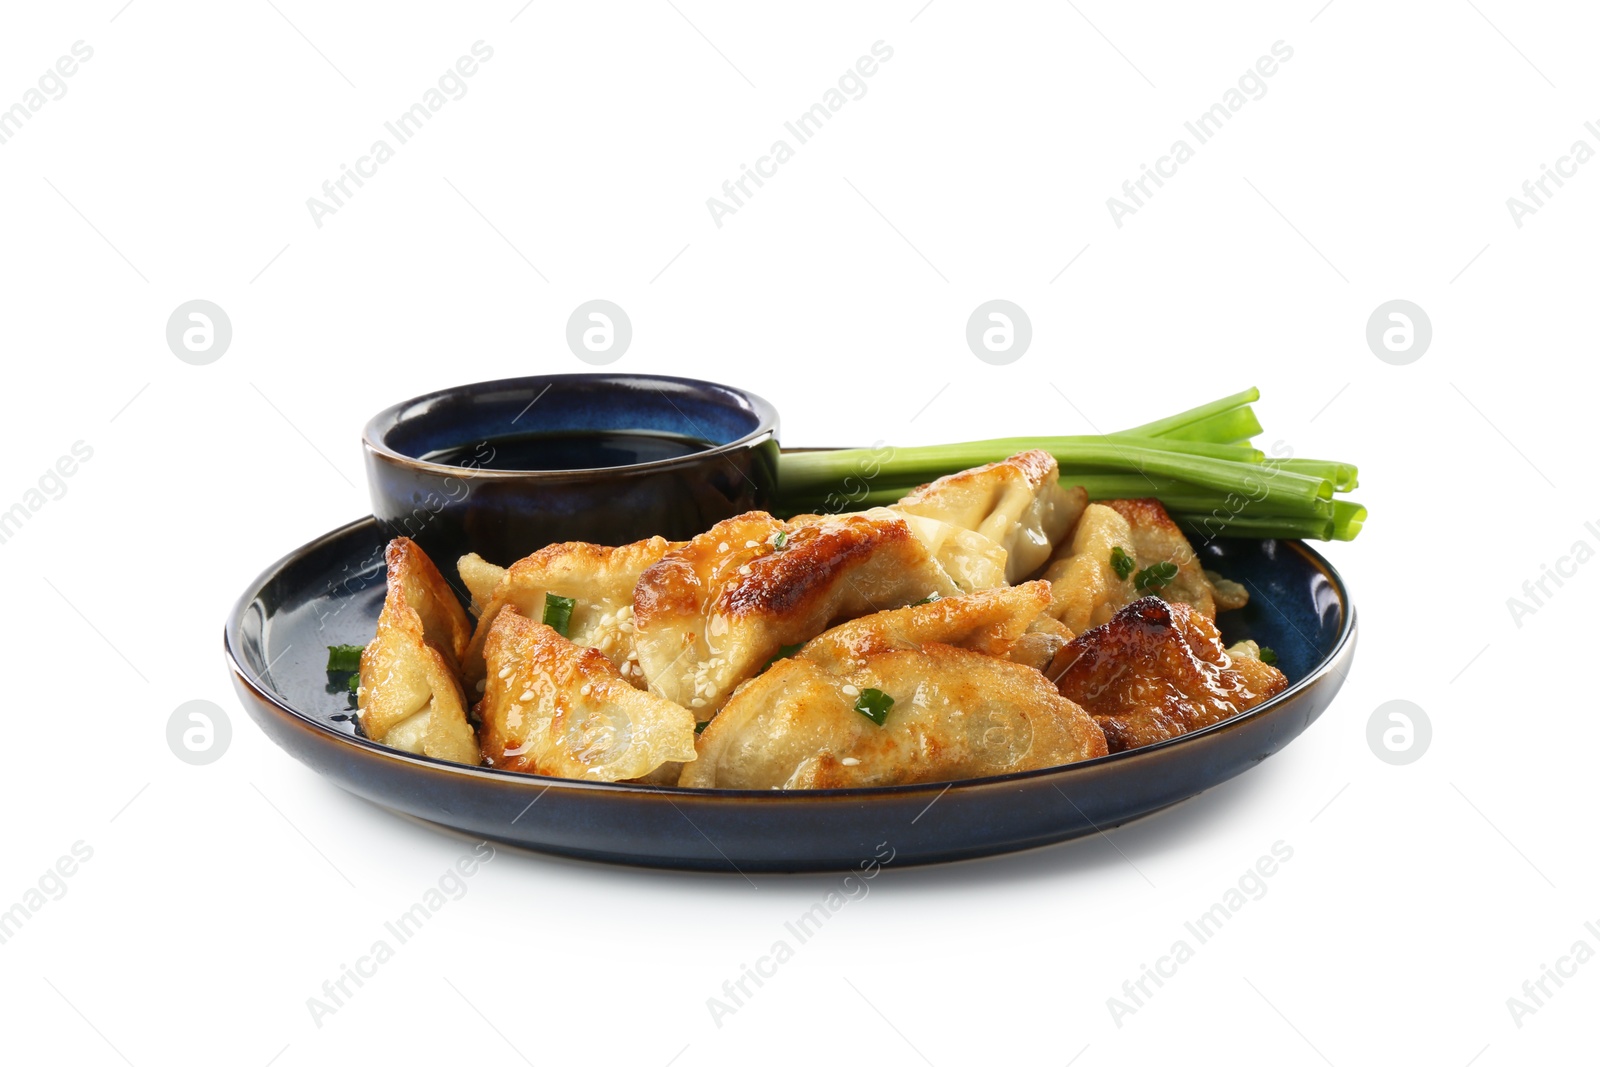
column 626, row 456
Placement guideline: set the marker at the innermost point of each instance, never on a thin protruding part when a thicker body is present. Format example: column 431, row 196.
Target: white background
column 1377, row 166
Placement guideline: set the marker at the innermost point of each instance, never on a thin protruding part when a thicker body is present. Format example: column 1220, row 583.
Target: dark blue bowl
column 450, row 508
column 330, row 591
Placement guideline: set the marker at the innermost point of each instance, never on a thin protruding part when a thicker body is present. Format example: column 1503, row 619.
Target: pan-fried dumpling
column 410, row 696
column 990, row 621
column 1158, row 670
column 598, row 580
column 971, row 560
column 1088, row 587
column 1156, row 538
column 951, row 713
column 556, row 708
column 481, row 578
column 1016, row 503
column 714, row 611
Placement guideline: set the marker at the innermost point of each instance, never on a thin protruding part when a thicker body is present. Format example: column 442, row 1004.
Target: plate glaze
column 330, row 591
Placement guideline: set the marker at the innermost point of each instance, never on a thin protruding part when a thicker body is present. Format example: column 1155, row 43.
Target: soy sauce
column 568, row 450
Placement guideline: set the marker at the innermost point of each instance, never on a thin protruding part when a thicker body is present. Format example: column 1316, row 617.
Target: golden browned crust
column 711, row 613
column 1156, row 538
column 1158, row 670
column 956, row 714
column 553, row 707
column 598, row 579
column 410, row 695
column 990, row 621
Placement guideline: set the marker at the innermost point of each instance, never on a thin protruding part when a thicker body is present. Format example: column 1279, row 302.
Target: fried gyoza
column 481, row 578
column 1156, row 538
column 990, row 621
column 1158, row 670
column 1016, row 503
column 1088, row 588
column 557, row 708
column 712, row 612
column 955, row 712
column 598, row 580
column 410, row 696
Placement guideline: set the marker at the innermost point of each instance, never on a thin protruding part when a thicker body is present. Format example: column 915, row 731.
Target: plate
column 330, row 591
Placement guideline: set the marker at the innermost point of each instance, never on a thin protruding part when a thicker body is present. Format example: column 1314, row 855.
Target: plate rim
column 269, row 699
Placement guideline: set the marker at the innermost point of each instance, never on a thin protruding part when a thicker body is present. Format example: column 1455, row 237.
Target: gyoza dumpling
column 481, row 578
column 1017, row 503
column 598, row 580
column 1158, row 670
column 990, row 621
column 712, row 612
column 971, row 560
column 556, row 708
column 1089, row 587
column 1156, row 538
column 410, row 696
column 947, row 713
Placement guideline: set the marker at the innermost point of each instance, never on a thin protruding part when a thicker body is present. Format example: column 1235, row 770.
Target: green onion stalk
column 1199, row 463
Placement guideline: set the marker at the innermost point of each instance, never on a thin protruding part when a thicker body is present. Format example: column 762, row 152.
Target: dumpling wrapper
column 556, row 708
column 1088, row 589
column 1017, row 503
column 957, row 713
column 716, row 610
column 410, row 696
column 599, row 581
column 990, row 621
column 1159, row 670
column 1157, row 538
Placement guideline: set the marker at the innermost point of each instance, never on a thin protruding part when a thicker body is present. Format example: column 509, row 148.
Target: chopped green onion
column 1155, row 576
column 929, row 599
column 1121, row 562
column 345, row 657
column 700, row 727
column 780, row 539
column 1268, row 656
column 558, row 612
column 874, row 704
column 355, row 682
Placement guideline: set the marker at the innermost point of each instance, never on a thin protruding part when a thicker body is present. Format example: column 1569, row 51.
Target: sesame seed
column 527, row 694
column 505, row 672
column 723, row 547
column 752, row 544
column 588, row 687
column 483, row 683
column 744, row 572
column 850, row 690
column 850, row 761
column 697, row 703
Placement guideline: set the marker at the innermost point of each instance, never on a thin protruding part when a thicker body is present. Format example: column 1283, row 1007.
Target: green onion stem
column 1342, row 475
column 1184, row 418
column 1226, row 427
column 1199, row 463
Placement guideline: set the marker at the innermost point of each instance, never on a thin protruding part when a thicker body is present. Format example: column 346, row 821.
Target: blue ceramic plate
column 329, row 592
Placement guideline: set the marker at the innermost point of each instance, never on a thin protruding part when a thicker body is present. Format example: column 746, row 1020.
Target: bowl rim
column 1341, row 651
column 372, row 434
